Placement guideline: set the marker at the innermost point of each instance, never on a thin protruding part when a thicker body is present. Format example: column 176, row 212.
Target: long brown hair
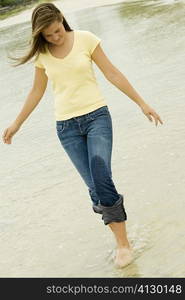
column 42, row 16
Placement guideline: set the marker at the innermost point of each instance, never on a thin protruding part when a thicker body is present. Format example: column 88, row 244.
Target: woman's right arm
column 32, row 100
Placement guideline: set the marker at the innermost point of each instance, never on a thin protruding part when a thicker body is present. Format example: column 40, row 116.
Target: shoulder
column 40, row 55
column 40, row 58
column 89, row 40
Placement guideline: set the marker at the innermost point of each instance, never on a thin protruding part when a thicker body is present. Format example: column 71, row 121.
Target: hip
column 97, row 120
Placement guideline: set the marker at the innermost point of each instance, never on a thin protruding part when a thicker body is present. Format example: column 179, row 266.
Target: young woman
column 83, row 120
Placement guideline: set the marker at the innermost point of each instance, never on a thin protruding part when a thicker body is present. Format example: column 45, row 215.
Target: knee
column 100, row 170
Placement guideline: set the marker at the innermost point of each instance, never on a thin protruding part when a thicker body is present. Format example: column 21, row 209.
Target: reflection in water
column 46, row 206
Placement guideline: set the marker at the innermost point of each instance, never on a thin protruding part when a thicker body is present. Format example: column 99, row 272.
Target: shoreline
column 12, row 10
column 22, row 14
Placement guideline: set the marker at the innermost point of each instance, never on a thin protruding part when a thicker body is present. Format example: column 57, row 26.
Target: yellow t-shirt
column 73, row 80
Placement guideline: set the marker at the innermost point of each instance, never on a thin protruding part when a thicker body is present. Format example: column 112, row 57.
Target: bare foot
column 123, row 257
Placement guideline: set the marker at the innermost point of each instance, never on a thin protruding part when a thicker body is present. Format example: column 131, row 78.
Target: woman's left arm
column 120, row 81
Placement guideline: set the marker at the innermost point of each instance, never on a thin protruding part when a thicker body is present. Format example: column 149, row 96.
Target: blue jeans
column 87, row 140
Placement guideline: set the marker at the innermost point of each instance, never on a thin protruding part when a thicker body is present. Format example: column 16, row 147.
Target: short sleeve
column 93, row 41
column 38, row 63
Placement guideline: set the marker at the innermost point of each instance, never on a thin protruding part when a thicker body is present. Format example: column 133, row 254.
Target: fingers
column 160, row 120
column 149, row 112
column 4, row 134
column 7, row 137
column 8, row 141
column 149, row 117
column 4, row 137
column 155, row 116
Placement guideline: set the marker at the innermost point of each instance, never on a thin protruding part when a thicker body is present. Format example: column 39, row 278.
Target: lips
column 59, row 40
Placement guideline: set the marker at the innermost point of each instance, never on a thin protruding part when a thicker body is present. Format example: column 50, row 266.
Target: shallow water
column 48, row 228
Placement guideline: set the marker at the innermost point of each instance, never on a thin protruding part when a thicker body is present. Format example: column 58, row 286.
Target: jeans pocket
column 102, row 111
column 60, row 127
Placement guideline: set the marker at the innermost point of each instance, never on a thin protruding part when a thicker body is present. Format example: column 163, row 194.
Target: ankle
column 123, row 246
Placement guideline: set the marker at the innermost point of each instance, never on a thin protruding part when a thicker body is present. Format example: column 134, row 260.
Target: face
column 55, row 33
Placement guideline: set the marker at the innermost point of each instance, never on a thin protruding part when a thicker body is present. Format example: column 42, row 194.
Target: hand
column 148, row 111
column 9, row 132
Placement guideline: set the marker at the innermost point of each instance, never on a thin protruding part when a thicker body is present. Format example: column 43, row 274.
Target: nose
column 56, row 37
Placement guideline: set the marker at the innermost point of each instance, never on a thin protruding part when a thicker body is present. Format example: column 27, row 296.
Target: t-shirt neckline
column 70, row 52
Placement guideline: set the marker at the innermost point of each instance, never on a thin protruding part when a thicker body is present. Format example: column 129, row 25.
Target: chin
column 59, row 42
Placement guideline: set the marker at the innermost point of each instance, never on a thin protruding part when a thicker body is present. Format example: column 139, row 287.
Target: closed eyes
column 48, row 35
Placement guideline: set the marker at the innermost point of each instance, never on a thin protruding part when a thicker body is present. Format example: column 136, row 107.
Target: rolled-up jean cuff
column 115, row 213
